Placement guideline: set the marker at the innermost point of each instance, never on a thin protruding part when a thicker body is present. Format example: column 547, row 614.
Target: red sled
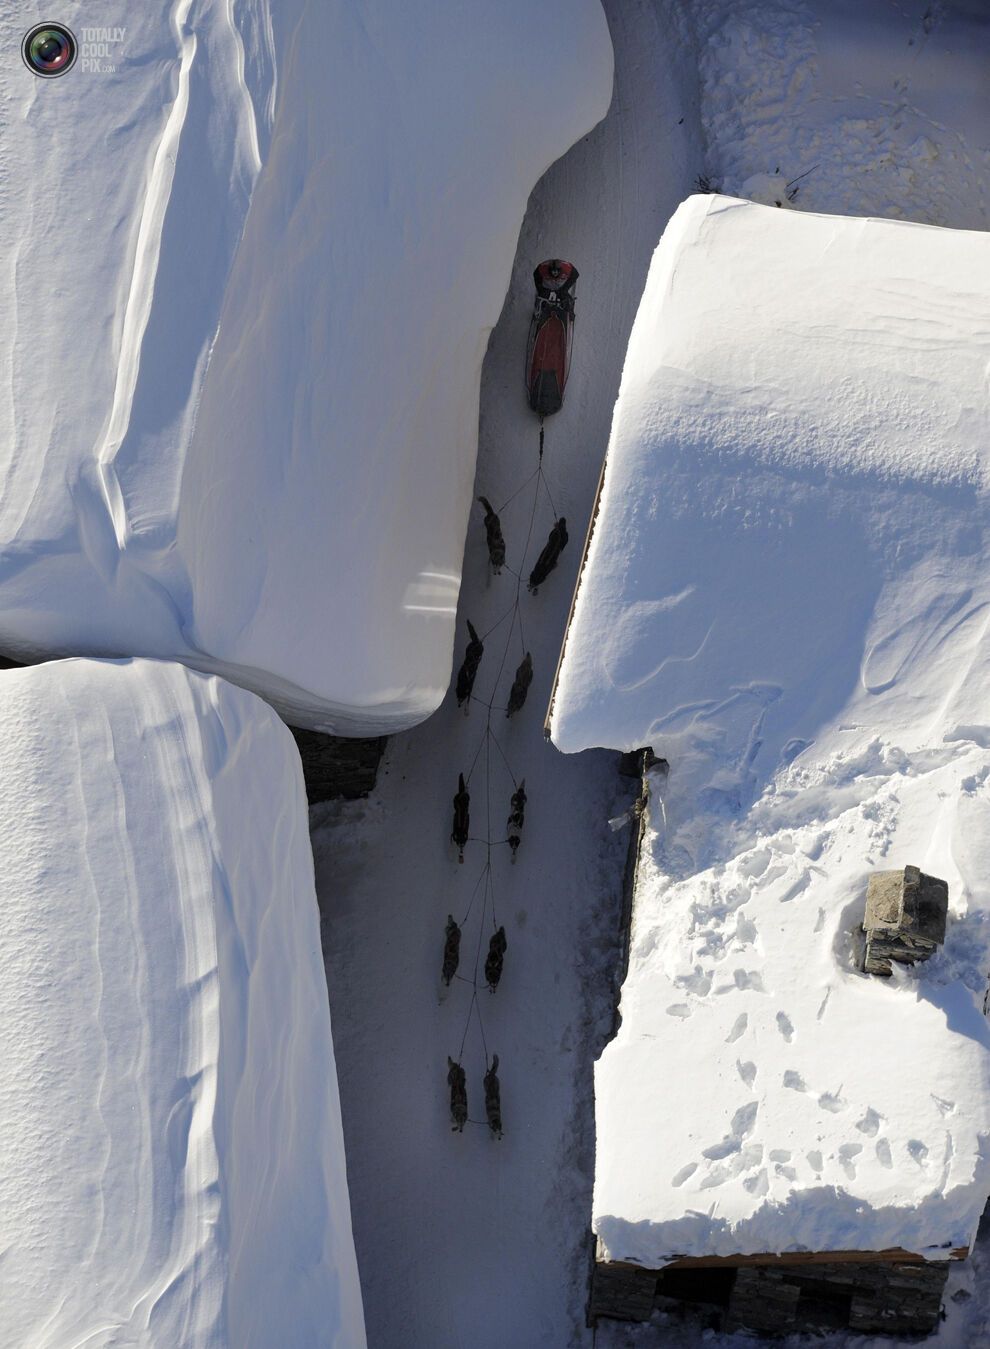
column 548, row 355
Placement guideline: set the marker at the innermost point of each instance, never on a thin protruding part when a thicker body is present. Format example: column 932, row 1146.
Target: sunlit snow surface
column 249, row 278
column 172, row 1169
column 787, row 596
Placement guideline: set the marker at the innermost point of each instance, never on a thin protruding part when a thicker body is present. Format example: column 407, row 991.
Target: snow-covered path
column 462, row 1241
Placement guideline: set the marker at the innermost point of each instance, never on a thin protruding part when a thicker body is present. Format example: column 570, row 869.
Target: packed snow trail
column 463, row 1241
column 492, row 836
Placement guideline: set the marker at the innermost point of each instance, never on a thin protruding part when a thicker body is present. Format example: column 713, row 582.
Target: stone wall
column 873, row 1296
column 338, row 766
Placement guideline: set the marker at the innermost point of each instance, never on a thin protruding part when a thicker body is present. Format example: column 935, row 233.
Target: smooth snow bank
column 172, row 1169
column 253, row 271
column 787, row 595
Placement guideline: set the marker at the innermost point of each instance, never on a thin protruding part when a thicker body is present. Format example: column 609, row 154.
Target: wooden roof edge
column 577, row 586
column 892, row 1255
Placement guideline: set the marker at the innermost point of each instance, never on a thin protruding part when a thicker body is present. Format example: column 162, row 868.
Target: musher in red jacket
column 555, row 277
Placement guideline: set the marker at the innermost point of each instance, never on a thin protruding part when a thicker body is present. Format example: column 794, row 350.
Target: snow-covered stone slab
column 255, row 258
column 787, row 596
column 172, row 1170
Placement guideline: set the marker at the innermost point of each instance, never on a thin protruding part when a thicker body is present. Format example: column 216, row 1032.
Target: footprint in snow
column 747, row 1071
column 883, row 1153
column 820, row 923
column 798, row 888
column 732, row 1154
column 758, row 1184
column 756, row 863
column 744, row 1119
column 781, row 1156
column 785, row 1026
column 815, row 1161
column 846, row 1154
column 870, row 1123
column 813, row 847
column 719, row 1151
column 685, row 1173
column 833, row 1102
column 680, row 1009
column 738, row 1026
column 794, row 1080
column 699, row 982
column 918, row 1150
column 744, row 1160
column 745, row 932
column 740, row 1127
column 946, row 1107
column 748, row 979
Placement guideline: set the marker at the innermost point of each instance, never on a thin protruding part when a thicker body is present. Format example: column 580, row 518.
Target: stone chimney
column 905, row 918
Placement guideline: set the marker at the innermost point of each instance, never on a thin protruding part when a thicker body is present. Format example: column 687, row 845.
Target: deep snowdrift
column 787, row 596
column 282, row 498
column 172, row 1169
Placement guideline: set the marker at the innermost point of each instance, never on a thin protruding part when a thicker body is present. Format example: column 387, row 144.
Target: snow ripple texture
column 248, row 283
column 787, row 596
column 172, row 1170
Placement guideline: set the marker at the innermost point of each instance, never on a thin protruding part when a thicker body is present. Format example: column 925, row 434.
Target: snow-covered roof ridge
column 787, row 595
column 173, row 1155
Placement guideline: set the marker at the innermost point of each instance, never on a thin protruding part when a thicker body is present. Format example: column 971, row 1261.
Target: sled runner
column 548, row 354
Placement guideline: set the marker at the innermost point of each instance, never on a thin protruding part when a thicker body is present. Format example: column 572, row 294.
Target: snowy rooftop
column 803, row 416
column 786, row 595
column 254, row 285
column 172, row 1169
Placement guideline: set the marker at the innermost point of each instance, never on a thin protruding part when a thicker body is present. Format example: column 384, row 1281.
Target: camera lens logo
column 49, row 49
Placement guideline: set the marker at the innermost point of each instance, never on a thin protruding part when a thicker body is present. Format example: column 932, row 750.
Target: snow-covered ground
column 249, row 277
column 786, row 595
column 172, row 1170
column 461, row 1241
column 864, row 107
